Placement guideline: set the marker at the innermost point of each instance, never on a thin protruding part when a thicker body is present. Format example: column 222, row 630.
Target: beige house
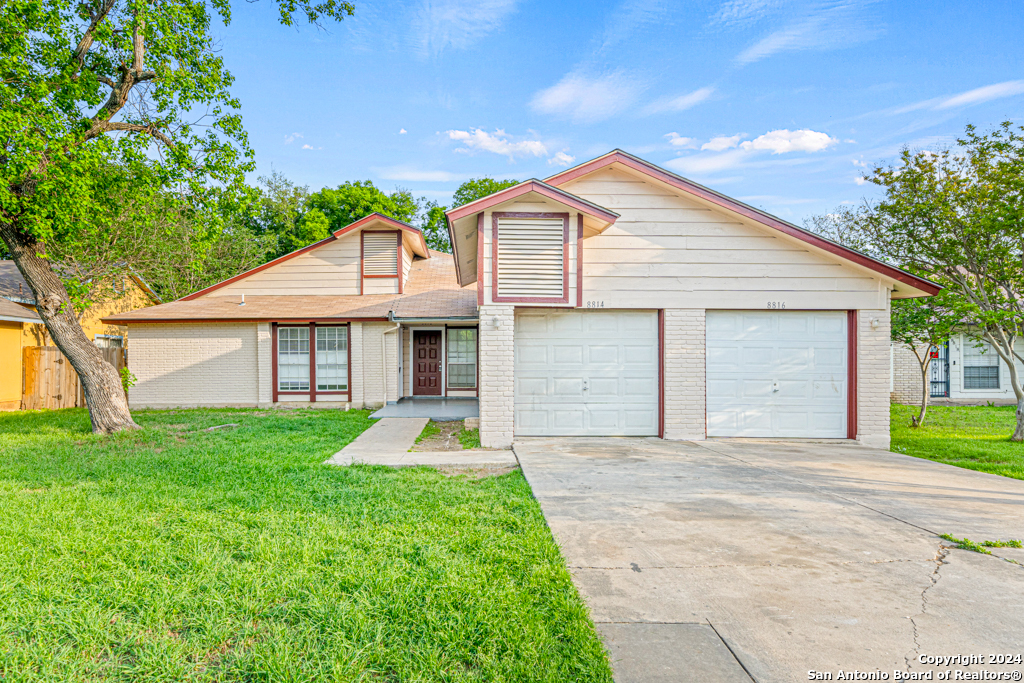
column 614, row 298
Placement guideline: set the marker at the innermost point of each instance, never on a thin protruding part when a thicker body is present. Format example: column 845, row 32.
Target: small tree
column 435, row 226
column 921, row 325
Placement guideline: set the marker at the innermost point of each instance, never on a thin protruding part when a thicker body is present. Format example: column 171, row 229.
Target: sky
column 783, row 105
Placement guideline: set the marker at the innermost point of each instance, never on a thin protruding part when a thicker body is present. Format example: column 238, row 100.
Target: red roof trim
column 540, row 188
column 750, row 212
column 310, row 247
column 108, row 321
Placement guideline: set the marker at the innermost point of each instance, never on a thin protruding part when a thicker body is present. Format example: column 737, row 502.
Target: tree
column 957, row 217
column 85, row 84
column 354, row 200
column 477, row 188
column 921, row 325
column 435, row 225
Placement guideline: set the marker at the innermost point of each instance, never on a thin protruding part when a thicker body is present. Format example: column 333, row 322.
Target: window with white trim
column 293, row 359
column 331, row 358
column 531, row 257
column 461, row 358
column 981, row 365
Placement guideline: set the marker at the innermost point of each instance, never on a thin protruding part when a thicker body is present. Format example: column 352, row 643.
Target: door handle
column 586, row 385
column 775, row 387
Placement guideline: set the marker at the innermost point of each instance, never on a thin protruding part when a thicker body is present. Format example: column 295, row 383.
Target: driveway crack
column 939, row 560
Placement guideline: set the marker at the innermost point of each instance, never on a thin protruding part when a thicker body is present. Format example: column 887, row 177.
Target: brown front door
column 427, row 363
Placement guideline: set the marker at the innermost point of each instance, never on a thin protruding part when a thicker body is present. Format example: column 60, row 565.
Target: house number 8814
column 595, row 304
column 777, row 304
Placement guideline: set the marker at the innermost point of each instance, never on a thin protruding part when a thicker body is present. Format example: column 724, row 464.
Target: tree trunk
column 926, row 390
column 1018, row 432
column 108, row 406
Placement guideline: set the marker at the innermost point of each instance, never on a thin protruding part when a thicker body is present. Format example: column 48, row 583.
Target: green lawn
column 973, row 437
column 177, row 554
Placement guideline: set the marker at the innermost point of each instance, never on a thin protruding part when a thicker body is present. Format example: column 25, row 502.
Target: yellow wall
column 133, row 297
column 10, row 365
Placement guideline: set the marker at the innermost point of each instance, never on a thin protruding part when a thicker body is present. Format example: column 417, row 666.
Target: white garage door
column 586, row 373
column 776, row 374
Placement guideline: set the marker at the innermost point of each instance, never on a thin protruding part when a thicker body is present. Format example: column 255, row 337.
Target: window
column 981, row 365
column 293, row 359
column 461, row 358
column 107, row 341
column 331, row 358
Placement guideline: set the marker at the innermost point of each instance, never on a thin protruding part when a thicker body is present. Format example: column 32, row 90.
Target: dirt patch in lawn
column 440, row 436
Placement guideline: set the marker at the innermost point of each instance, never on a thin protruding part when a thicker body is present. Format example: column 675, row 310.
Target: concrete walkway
column 388, row 442
column 736, row 561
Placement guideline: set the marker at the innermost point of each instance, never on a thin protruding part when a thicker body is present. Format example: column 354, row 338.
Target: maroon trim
column 744, row 210
column 362, row 258
column 447, row 375
column 564, row 299
column 401, row 261
column 273, row 359
column 851, row 377
column 579, row 260
column 560, row 196
column 284, row 321
column 348, row 368
column 312, row 362
column 479, row 259
column 395, row 223
column 661, row 373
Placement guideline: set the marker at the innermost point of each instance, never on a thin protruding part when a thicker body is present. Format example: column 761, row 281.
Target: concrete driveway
column 733, row 560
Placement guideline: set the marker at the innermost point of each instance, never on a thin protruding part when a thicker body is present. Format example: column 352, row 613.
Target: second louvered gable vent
column 380, row 253
column 531, row 252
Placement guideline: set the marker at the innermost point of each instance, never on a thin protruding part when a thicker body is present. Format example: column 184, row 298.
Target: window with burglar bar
column 293, row 359
column 981, row 365
column 461, row 358
column 331, row 358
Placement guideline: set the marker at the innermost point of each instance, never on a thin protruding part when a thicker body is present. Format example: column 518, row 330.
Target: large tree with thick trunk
column 87, row 86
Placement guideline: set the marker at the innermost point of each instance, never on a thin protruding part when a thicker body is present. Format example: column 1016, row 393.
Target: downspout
column 384, row 353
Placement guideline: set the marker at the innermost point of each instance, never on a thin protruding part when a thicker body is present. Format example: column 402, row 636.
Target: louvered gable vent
column 530, row 257
column 380, row 253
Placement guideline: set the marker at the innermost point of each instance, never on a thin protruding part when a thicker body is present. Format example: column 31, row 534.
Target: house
column 963, row 370
column 614, row 298
column 21, row 326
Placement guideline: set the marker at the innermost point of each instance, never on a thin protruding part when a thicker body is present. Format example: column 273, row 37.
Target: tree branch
column 86, row 42
column 100, row 127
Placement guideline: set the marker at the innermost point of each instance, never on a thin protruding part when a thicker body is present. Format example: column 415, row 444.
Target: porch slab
column 433, row 408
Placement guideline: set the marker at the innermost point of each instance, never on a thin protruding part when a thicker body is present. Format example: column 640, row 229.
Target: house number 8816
column 777, row 304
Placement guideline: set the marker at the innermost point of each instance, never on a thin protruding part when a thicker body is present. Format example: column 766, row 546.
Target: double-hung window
column 332, row 359
column 461, row 358
column 981, row 365
column 293, row 359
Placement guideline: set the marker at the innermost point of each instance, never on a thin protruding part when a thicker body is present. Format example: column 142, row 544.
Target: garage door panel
column 779, row 373
column 616, row 352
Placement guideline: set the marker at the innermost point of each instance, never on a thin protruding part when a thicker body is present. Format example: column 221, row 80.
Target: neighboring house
column 614, row 298
column 13, row 321
column 20, row 325
column 964, row 369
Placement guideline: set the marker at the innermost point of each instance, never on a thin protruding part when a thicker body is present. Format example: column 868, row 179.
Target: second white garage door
column 777, row 374
column 581, row 373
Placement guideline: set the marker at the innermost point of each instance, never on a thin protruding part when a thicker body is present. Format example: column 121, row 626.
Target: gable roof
column 637, row 164
column 14, row 287
column 431, row 292
column 363, row 222
column 12, row 312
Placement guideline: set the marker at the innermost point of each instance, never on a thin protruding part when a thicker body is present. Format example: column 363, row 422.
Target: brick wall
column 182, row 365
column 906, row 375
column 264, row 371
column 356, row 369
column 497, row 367
column 685, row 391
column 368, row 367
column 873, row 378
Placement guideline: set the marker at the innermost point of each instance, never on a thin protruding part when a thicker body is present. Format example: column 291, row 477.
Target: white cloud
column 412, row 174
column 860, row 180
column 458, row 24
column 561, row 159
column 676, row 140
column 737, row 12
column 702, row 164
column 983, row 94
column 839, row 25
column 680, row 103
column 310, row 147
column 586, row 99
column 289, row 139
column 860, row 163
column 784, row 140
column 402, row 131
column 499, row 142
column 722, row 143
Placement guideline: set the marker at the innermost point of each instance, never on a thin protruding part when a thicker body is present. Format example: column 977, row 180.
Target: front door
column 426, row 363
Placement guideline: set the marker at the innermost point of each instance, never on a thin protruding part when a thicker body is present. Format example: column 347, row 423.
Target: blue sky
column 780, row 104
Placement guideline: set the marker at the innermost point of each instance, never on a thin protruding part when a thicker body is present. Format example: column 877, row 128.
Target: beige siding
column 332, row 269
column 407, row 257
column 671, row 249
column 406, row 365
column 380, row 285
column 185, row 365
column 368, row 367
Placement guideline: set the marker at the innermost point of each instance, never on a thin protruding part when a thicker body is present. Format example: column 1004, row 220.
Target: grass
column 470, row 438
column 974, row 437
column 177, row 554
column 968, row 544
column 429, row 430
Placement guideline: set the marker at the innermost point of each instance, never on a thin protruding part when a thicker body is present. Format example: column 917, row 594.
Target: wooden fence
column 49, row 380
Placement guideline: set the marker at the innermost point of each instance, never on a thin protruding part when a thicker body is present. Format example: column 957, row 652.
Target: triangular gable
column 678, row 182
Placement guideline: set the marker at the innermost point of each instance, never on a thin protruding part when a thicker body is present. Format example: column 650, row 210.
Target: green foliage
column 179, row 554
column 351, row 201
column 128, row 380
column 965, row 544
column 435, row 226
column 478, row 188
column 430, row 429
column 470, row 438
